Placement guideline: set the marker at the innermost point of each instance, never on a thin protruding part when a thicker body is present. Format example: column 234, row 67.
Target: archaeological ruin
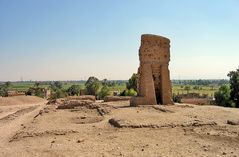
column 154, row 85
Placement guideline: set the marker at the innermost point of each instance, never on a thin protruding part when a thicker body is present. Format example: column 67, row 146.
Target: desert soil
column 33, row 128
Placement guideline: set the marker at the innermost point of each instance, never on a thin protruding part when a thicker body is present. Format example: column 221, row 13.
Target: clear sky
column 74, row 39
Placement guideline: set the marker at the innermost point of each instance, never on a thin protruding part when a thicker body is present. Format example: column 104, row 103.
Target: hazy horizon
column 72, row 40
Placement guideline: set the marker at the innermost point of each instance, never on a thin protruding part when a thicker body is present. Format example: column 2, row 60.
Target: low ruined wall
column 82, row 97
column 117, row 98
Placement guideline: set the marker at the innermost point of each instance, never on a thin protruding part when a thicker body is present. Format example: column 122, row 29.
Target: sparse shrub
column 40, row 93
column 105, row 91
column 129, row 92
column 177, row 98
column 222, row 96
column 29, row 92
column 3, row 91
column 36, row 92
column 58, row 93
column 73, row 90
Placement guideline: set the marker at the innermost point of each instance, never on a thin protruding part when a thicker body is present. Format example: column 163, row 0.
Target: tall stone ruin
column 154, row 85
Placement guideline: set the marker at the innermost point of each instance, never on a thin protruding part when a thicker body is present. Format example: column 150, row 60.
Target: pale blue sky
column 74, row 39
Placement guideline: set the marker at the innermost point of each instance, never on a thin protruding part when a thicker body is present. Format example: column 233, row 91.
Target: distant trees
column 56, row 90
column 131, row 86
column 73, row 90
column 4, row 88
column 229, row 96
column 234, row 85
column 57, row 93
column 105, row 82
column 36, row 90
column 196, row 87
column 222, row 96
column 8, row 84
column 102, row 88
column 201, row 82
column 56, row 84
column 132, row 83
column 187, row 88
column 37, row 84
column 109, row 83
column 92, row 85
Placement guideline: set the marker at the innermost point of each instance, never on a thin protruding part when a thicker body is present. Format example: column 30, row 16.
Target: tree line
column 93, row 86
column 228, row 95
column 201, row 82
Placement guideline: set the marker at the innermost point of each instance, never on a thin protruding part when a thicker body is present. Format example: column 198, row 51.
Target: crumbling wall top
column 151, row 37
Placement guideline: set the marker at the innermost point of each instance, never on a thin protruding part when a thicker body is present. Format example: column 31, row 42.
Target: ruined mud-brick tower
column 154, row 85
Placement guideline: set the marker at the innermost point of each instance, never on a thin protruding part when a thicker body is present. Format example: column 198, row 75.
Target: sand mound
column 20, row 100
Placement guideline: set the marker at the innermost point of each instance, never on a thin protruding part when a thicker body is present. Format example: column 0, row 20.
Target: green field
column 176, row 89
column 24, row 86
column 208, row 90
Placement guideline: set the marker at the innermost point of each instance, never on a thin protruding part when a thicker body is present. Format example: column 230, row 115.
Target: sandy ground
column 115, row 129
column 10, row 105
column 19, row 100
